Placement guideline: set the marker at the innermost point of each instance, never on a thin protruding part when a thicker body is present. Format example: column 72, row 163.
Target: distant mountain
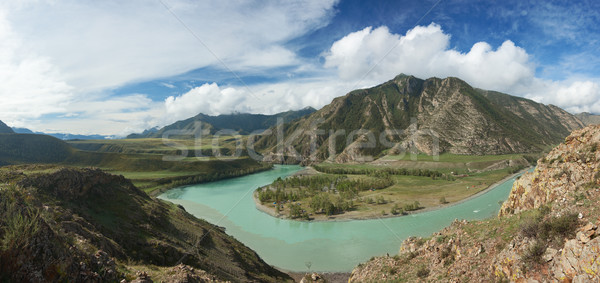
column 33, row 148
column 243, row 123
column 464, row 120
column 588, row 118
column 4, row 129
column 62, row 136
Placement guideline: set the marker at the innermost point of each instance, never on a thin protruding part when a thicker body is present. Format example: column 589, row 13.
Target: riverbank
column 358, row 215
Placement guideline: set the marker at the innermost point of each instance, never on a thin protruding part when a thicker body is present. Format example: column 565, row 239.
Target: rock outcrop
column 568, row 170
column 547, row 231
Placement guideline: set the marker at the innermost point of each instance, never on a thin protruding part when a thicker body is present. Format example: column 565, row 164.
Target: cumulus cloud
column 575, row 97
column 371, row 56
column 374, row 55
column 209, row 99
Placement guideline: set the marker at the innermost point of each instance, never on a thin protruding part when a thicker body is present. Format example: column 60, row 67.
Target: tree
column 443, row 200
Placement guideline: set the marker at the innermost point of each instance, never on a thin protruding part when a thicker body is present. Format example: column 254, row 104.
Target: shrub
column 534, row 253
column 396, row 210
column 422, row 272
column 446, row 252
column 530, row 228
column 19, row 222
column 441, row 239
column 443, row 200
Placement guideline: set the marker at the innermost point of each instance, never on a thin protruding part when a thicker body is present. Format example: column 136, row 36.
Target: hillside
column 244, row 123
column 148, row 170
column 32, row 148
column 62, row 136
column 547, row 230
column 588, row 119
column 67, row 225
column 4, row 129
column 464, row 120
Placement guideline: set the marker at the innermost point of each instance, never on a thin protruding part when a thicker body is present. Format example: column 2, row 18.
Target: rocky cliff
column 547, row 231
column 408, row 113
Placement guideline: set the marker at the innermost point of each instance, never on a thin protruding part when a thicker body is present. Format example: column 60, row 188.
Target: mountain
column 62, row 136
column 33, row 148
column 243, row 123
column 588, row 118
column 84, row 225
column 462, row 120
column 4, row 129
column 547, row 230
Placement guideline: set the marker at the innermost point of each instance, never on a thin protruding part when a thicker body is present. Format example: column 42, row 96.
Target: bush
column 443, row 200
column 534, row 253
column 550, row 229
column 422, row 272
column 19, row 222
column 396, row 210
column 530, row 228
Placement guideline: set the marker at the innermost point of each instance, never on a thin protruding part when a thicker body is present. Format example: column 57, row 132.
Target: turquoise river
column 318, row 246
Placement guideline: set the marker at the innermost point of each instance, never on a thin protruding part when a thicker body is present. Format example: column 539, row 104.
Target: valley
column 334, row 186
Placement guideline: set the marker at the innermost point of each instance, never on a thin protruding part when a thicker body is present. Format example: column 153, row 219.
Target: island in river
column 391, row 186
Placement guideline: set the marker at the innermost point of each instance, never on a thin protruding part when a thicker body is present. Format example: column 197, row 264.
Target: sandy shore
column 348, row 216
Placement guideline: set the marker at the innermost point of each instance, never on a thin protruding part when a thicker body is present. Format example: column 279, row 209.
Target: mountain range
column 62, row 136
column 4, row 129
column 413, row 114
column 588, row 118
column 243, row 123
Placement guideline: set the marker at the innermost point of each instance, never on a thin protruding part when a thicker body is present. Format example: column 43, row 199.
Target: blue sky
column 115, row 67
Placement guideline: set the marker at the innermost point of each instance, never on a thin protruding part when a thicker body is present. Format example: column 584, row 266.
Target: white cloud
column 30, row 86
column 105, row 44
column 209, row 99
column 56, row 56
column 575, row 96
column 377, row 55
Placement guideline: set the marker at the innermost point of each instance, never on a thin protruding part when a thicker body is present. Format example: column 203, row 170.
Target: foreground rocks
column 547, row 230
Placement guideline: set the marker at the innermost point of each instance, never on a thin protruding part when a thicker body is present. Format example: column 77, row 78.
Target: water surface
column 318, row 246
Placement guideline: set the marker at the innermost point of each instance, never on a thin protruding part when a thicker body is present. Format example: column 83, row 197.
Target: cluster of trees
column 297, row 188
column 412, row 206
column 384, row 172
column 296, row 211
column 321, row 203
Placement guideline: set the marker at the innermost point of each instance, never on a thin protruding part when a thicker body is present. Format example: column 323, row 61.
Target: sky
column 116, row 67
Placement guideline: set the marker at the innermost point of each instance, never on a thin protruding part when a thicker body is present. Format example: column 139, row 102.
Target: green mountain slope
column 447, row 112
column 244, row 123
column 36, row 149
column 88, row 226
column 4, row 129
column 32, row 148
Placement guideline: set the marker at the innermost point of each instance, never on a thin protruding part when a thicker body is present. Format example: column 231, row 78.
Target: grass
column 447, row 163
column 453, row 158
column 154, row 145
column 404, row 191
